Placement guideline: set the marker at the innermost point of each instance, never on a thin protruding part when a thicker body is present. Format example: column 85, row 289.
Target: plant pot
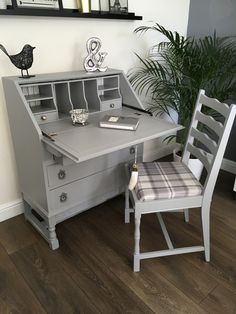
column 194, row 164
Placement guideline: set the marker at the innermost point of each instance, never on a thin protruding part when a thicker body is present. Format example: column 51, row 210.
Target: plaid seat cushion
column 165, row 180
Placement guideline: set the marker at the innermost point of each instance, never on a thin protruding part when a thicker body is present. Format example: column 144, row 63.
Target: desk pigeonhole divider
column 62, row 97
column 91, row 95
column 40, row 99
column 109, row 93
column 77, row 95
column 53, row 100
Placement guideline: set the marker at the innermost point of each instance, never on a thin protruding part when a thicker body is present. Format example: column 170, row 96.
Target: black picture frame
column 118, row 7
column 104, row 6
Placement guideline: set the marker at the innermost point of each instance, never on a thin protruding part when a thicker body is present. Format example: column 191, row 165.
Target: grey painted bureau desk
column 72, row 168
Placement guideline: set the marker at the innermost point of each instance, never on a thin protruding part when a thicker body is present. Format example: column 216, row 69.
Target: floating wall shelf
column 68, row 13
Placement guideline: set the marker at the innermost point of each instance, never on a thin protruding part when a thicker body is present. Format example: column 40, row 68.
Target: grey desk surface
column 83, row 143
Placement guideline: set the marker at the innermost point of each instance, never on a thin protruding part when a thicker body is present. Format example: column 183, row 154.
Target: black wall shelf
column 68, row 13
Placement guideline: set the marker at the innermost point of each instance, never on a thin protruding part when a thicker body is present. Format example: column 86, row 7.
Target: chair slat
column 210, row 122
column 212, row 103
column 200, row 154
column 204, row 139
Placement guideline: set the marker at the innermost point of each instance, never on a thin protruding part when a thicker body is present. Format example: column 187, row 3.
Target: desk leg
column 53, row 241
column 44, row 226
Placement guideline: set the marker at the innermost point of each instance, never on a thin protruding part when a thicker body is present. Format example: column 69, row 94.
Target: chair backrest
column 208, row 136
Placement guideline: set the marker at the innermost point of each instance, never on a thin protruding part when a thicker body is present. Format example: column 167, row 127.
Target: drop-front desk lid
column 80, row 143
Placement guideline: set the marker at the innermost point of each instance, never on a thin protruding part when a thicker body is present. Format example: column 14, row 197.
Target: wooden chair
column 167, row 187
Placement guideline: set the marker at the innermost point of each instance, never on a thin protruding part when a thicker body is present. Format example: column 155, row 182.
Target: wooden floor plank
column 227, row 215
column 185, row 276
column 222, row 267
column 16, row 233
column 157, row 292
column 47, row 279
column 223, row 229
column 177, row 270
column 108, row 292
column 220, row 300
column 15, row 295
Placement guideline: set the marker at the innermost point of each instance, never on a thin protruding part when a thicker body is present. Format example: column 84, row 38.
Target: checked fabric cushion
column 165, row 180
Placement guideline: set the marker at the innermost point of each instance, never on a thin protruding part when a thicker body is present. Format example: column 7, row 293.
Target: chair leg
column 205, row 217
column 136, row 262
column 127, row 209
column 186, row 215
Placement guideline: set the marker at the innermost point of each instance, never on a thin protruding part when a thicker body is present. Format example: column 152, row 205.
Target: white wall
column 60, row 46
column 213, row 15
column 219, row 16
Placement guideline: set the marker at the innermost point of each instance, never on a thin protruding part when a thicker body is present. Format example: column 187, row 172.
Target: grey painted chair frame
column 211, row 161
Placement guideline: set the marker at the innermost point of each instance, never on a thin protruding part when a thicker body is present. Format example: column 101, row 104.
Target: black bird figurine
column 22, row 60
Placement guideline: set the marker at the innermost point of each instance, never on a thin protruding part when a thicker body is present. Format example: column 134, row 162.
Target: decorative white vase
column 194, row 164
column 3, row 4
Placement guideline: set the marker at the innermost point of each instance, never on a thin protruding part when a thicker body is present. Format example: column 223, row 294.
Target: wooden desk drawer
column 84, row 191
column 111, row 104
column 59, row 175
column 46, row 117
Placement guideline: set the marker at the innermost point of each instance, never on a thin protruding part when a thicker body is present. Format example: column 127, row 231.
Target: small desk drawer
column 59, row 175
column 83, row 191
column 46, row 117
column 111, row 104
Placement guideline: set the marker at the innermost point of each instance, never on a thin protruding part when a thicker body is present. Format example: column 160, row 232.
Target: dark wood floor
column 91, row 272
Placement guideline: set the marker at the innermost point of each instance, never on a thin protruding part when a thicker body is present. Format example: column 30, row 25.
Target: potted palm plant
column 172, row 74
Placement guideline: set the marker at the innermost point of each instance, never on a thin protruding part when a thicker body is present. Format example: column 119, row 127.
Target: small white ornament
column 134, row 174
column 93, row 61
column 134, row 177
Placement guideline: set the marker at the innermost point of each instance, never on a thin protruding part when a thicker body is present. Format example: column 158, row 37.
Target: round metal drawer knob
column 61, row 174
column 63, row 197
column 43, row 118
column 132, row 150
column 112, row 105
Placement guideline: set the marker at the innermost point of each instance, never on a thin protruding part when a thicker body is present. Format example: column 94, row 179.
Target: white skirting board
column 229, row 165
column 11, row 209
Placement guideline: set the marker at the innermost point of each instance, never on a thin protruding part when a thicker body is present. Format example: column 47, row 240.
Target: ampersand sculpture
column 93, row 61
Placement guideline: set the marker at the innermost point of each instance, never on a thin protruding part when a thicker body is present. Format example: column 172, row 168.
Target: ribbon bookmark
column 134, row 174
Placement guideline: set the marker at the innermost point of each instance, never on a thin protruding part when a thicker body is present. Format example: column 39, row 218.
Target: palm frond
column 178, row 67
